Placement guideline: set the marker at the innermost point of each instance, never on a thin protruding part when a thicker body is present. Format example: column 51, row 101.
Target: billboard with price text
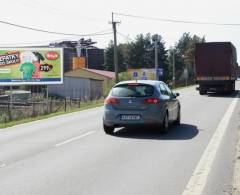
column 31, row 66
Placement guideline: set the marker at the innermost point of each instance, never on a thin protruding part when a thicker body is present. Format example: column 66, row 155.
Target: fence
column 21, row 110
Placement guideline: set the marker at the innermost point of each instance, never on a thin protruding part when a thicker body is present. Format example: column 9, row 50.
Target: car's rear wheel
column 178, row 120
column 165, row 125
column 108, row 129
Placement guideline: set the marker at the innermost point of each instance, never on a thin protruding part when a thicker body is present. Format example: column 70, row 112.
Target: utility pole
column 155, row 38
column 114, row 24
column 173, row 76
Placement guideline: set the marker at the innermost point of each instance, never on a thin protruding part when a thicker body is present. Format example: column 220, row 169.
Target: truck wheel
column 108, row 129
column 233, row 87
column 201, row 92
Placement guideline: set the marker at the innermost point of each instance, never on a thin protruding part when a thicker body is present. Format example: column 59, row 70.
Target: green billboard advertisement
column 30, row 66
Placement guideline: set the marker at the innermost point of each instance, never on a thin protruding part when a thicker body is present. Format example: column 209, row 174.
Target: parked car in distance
column 142, row 102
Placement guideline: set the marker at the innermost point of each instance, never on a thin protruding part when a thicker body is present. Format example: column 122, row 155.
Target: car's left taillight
column 152, row 101
column 111, row 101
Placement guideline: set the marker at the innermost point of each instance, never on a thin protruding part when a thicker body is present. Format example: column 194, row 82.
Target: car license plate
column 130, row 117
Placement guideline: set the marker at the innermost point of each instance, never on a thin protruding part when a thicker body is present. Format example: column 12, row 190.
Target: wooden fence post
column 65, row 104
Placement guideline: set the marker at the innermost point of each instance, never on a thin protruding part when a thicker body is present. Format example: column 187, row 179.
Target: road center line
column 199, row 178
column 74, row 139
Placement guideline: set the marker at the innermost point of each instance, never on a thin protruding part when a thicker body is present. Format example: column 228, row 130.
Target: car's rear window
column 133, row 90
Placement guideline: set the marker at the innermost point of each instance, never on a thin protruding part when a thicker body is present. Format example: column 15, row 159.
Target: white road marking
column 199, row 178
column 236, row 175
column 2, row 165
column 74, row 139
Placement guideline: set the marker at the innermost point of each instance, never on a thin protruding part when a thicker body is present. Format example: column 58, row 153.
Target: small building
column 78, row 88
column 106, row 76
column 83, row 83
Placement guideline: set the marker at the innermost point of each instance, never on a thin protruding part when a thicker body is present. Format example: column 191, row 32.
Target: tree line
column 140, row 53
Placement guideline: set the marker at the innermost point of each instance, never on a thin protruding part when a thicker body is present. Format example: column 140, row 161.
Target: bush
column 124, row 76
column 4, row 118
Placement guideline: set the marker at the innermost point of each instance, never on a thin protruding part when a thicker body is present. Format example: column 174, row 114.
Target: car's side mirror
column 176, row 95
column 197, row 88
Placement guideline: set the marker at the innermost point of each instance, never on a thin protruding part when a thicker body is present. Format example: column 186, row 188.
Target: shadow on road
column 222, row 95
column 181, row 132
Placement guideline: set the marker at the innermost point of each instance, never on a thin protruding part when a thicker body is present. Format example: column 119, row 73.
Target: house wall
column 78, row 88
column 107, row 82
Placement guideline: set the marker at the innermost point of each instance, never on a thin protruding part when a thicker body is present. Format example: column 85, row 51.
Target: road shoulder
column 236, row 176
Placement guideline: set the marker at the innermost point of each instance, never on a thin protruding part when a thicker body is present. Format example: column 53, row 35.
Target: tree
column 109, row 60
column 185, row 54
column 122, row 55
column 142, row 53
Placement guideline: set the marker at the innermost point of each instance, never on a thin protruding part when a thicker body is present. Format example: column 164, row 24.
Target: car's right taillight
column 111, row 101
column 152, row 101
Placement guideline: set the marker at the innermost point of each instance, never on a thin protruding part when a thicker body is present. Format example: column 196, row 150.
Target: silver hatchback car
column 142, row 102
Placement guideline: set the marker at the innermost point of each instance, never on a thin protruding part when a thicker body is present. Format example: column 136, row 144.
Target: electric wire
column 57, row 33
column 125, row 36
column 177, row 21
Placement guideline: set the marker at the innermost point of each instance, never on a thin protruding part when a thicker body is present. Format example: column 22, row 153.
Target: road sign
column 160, row 71
column 135, row 74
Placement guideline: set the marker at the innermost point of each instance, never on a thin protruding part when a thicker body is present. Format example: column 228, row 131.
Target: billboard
column 143, row 74
column 31, row 66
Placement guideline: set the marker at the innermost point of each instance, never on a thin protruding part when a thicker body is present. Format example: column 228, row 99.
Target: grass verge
column 84, row 106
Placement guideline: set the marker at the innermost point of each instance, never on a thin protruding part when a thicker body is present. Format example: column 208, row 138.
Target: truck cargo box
column 216, row 66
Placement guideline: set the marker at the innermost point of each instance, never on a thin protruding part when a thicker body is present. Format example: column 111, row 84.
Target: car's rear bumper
column 113, row 118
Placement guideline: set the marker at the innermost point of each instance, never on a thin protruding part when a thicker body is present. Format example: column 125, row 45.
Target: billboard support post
column 11, row 97
column 47, row 98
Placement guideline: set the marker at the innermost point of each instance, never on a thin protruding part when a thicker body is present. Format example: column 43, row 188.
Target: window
column 133, row 90
column 163, row 90
column 168, row 90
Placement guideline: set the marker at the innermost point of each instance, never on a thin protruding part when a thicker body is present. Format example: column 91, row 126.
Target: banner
column 31, row 66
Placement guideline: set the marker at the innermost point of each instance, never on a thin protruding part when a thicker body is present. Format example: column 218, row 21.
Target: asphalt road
column 71, row 155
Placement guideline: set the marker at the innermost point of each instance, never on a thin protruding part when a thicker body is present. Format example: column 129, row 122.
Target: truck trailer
column 216, row 67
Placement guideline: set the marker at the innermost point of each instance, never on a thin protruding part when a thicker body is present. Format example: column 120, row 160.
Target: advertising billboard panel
column 143, row 73
column 31, row 66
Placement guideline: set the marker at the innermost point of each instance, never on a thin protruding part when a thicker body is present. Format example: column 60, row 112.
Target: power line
column 125, row 36
column 177, row 21
column 40, row 42
column 53, row 32
column 30, row 43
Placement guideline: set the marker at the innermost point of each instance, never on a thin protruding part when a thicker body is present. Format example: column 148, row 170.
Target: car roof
column 149, row 82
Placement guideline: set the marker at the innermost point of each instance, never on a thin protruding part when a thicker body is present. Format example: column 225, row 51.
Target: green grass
column 84, row 106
